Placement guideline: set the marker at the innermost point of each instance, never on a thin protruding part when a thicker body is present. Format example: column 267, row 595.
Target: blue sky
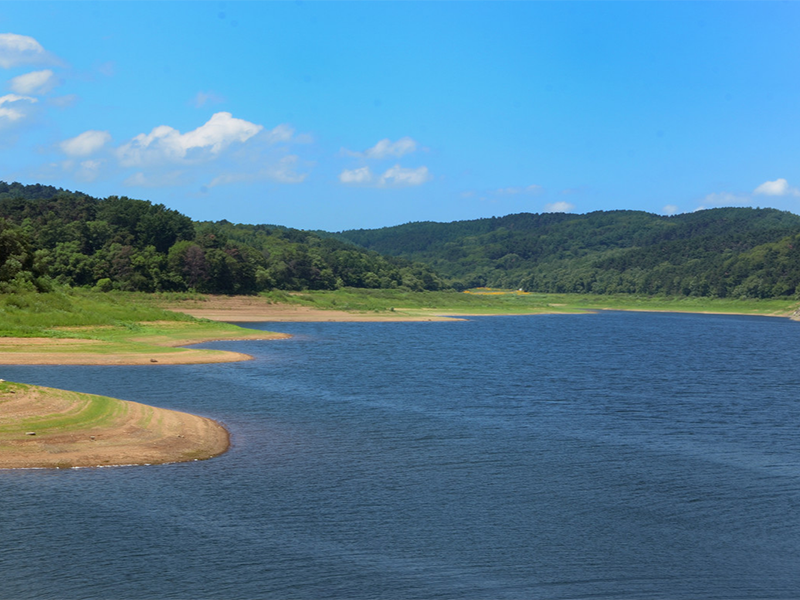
column 367, row 114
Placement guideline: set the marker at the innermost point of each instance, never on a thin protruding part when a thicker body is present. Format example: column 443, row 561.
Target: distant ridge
column 725, row 252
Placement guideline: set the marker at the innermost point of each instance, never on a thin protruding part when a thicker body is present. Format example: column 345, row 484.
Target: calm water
column 618, row 455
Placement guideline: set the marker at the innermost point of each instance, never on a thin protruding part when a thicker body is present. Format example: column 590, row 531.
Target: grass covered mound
column 83, row 327
column 45, row 427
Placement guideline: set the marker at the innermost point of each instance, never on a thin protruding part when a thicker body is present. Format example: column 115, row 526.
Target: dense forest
column 51, row 236
column 723, row 252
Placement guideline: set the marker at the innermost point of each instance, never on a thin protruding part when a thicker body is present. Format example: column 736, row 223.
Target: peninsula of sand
column 49, row 428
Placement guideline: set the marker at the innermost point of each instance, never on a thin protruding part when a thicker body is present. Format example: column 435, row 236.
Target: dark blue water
column 618, row 455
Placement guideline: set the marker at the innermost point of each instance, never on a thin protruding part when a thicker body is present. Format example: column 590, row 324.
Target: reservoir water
column 616, row 455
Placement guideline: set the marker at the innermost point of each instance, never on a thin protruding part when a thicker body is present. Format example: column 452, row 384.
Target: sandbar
column 49, row 428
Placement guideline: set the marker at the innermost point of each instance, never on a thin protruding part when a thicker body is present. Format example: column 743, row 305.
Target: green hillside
column 724, row 252
column 51, row 236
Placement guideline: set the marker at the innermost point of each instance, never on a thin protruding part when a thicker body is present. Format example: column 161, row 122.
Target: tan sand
column 131, row 434
column 56, row 351
column 242, row 309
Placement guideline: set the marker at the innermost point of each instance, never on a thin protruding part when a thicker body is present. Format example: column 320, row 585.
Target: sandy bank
column 83, row 430
column 160, row 351
column 243, row 309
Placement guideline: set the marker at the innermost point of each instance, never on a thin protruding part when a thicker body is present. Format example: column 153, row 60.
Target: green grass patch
column 86, row 411
column 37, row 315
column 512, row 302
column 122, row 323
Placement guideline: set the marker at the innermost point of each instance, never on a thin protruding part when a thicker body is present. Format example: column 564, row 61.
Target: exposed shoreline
column 32, row 434
column 179, row 436
column 50, row 428
column 60, row 351
column 242, row 309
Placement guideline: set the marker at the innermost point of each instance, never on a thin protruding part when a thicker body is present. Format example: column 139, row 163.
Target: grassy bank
column 484, row 301
column 82, row 327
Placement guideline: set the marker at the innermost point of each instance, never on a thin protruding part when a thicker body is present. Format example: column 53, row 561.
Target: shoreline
column 136, row 435
column 206, row 438
column 73, row 351
column 254, row 309
column 47, row 428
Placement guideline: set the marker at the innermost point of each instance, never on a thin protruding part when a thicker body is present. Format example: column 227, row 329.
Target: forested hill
column 726, row 252
column 49, row 235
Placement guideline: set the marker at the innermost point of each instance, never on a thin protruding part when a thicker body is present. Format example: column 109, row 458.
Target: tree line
column 52, row 236
column 723, row 252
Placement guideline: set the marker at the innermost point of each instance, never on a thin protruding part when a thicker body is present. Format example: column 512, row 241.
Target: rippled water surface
column 618, row 455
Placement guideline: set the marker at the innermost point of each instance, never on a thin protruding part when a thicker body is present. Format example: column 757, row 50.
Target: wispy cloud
column 513, row 191
column 203, row 98
column 670, row 209
column 726, row 199
column 168, row 179
column 88, row 170
column 35, row 82
column 396, row 176
column 86, row 143
column 18, row 50
column 559, row 207
column 284, row 171
column 386, row 149
column 359, row 176
column 14, row 108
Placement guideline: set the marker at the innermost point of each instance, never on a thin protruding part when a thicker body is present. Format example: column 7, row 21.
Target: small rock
column 153, row 360
column 30, row 433
column 91, row 437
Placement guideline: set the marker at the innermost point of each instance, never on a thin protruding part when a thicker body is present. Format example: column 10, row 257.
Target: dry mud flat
column 44, row 427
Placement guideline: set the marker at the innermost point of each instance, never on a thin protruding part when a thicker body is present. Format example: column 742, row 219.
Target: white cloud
column 165, row 143
column 356, row 176
column 385, row 149
column 86, row 143
column 36, row 82
column 13, row 107
column 397, row 176
column 16, row 50
column 779, row 187
column 670, row 209
column 559, row 207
